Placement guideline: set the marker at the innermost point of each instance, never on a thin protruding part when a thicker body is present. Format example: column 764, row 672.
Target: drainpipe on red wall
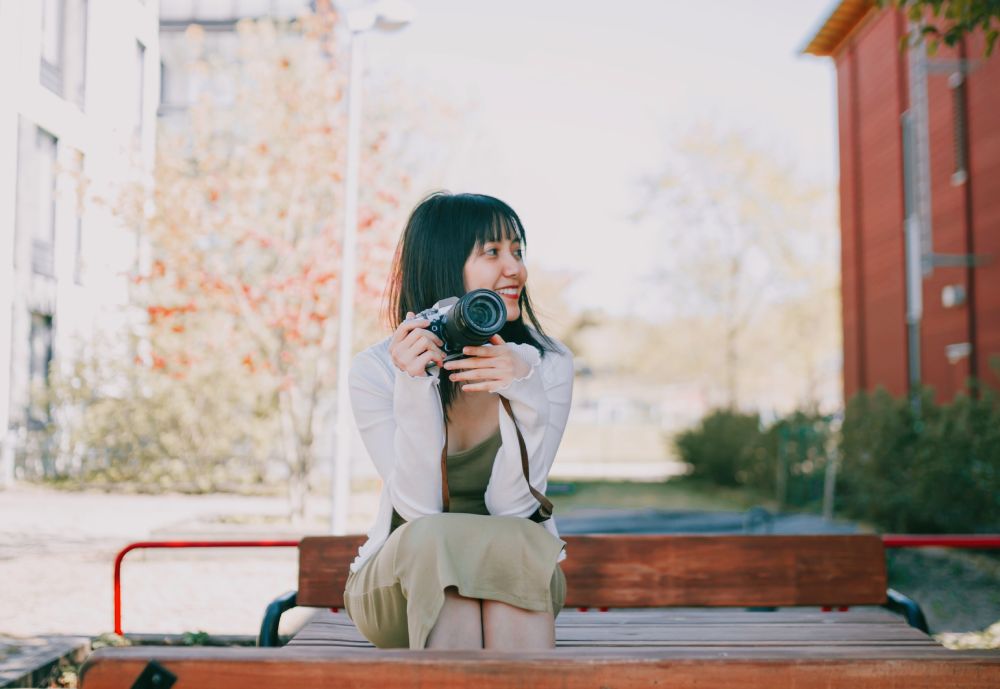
column 960, row 83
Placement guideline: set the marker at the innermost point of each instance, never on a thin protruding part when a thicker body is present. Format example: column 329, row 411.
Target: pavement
column 756, row 520
column 57, row 552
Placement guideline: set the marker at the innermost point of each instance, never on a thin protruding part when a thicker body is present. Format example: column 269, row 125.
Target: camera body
column 467, row 321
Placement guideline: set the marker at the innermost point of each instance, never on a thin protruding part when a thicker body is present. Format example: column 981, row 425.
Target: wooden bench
column 643, row 640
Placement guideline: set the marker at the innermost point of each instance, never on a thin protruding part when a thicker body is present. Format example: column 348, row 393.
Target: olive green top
column 468, row 475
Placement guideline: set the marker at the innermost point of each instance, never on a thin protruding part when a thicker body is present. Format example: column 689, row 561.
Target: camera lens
column 478, row 316
column 482, row 314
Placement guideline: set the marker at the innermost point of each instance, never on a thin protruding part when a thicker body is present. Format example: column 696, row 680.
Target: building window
column 64, row 48
column 140, row 87
column 959, row 119
column 39, row 363
column 44, row 230
column 53, row 30
column 82, row 8
column 79, row 197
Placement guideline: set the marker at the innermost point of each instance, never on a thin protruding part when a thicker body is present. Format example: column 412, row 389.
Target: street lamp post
column 385, row 15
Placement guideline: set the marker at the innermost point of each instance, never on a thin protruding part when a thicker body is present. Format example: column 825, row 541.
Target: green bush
column 906, row 464
column 791, row 459
column 919, row 466
column 878, row 460
column 786, row 459
column 720, row 445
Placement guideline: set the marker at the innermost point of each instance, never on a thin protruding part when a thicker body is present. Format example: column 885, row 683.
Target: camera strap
column 445, row 495
column 545, row 508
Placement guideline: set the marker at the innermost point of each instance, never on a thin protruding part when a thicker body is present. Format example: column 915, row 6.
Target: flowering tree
column 243, row 228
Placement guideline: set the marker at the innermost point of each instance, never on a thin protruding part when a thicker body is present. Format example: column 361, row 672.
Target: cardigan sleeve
column 401, row 424
column 540, row 402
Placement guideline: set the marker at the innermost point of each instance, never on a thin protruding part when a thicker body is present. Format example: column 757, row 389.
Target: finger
column 478, row 374
column 431, row 336
column 497, row 340
column 425, row 335
column 471, row 362
column 419, row 364
column 416, row 346
column 482, row 351
column 411, row 341
column 478, row 387
column 406, row 327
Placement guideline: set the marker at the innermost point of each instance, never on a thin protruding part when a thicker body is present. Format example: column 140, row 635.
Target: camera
column 469, row 321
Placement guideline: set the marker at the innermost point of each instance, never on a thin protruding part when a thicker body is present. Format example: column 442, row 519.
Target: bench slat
column 626, row 571
column 834, row 667
column 653, row 629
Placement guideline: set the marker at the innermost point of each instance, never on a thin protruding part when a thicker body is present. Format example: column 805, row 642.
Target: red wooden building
column 919, row 204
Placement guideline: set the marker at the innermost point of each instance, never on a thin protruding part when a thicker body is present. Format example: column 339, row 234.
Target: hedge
column 905, row 464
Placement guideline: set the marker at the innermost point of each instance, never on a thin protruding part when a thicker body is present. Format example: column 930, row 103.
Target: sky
column 569, row 105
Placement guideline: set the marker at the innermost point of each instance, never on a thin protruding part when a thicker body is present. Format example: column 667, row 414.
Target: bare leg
column 508, row 628
column 460, row 624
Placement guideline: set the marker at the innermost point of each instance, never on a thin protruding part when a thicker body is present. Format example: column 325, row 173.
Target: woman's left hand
column 488, row 369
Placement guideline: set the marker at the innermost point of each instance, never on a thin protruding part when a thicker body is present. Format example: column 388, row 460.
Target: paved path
column 653, row 521
column 57, row 551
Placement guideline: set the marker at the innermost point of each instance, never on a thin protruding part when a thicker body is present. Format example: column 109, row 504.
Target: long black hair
column 429, row 263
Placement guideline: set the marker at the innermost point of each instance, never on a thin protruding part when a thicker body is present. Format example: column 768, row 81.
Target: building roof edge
column 841, row 23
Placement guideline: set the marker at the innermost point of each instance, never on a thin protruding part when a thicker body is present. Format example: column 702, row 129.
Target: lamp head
column 382, row 15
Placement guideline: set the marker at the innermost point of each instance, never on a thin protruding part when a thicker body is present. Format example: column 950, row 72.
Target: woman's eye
column 490, row 252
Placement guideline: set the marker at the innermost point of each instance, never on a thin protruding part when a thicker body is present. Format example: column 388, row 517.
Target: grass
column 959, row 591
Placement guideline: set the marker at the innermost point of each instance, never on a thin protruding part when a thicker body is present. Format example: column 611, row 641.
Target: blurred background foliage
column 901, row 465
column 226, row 379
column 229, row 365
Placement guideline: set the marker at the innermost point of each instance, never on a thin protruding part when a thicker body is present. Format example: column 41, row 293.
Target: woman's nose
column 511, row 266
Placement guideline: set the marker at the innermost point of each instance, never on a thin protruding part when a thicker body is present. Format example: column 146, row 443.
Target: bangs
column 498, row 226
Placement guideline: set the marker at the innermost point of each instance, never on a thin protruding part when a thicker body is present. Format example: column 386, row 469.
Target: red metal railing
column 979, row 542
column 179, row 544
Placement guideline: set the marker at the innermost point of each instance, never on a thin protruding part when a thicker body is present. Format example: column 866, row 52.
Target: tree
column 748, row 266
column 950, row 20
column 243, row 225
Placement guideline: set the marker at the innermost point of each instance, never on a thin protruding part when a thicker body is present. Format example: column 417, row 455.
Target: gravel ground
column 57, row 552
column 959, row 591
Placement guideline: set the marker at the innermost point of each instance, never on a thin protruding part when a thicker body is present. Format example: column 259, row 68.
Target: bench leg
column 908, row 608
column 272, row 616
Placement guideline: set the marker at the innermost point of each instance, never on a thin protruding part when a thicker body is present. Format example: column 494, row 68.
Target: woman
column 484, row 573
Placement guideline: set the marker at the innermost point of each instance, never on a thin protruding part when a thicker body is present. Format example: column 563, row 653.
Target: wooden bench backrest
column 626, row 571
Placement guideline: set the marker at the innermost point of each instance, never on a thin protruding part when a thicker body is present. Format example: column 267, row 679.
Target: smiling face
column 498, row 266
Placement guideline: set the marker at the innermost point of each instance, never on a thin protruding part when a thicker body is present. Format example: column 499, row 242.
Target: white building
column 217, row 19
column 80, row 84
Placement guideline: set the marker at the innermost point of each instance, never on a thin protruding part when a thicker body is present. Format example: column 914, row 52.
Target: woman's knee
column 428, row 522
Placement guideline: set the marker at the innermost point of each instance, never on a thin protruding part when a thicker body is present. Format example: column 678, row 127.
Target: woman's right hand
column 413, row 348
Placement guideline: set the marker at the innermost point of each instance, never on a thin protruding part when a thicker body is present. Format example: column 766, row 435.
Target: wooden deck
column 874, row 629
column 641, row 642
column 857, row 649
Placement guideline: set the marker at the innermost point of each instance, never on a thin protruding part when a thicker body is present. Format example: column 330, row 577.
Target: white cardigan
column 400, row 420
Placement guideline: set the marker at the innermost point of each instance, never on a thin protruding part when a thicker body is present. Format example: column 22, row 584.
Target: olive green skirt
column 397, row 595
